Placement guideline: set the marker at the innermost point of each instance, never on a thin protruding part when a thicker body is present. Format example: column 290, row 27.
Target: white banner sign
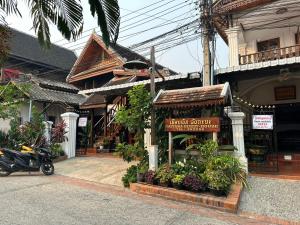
column 82, row 122
column 262, row 122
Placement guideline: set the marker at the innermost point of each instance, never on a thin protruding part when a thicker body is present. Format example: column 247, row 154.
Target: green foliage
column 3, row 139
column 57, row 150
column 130, row 176
column 28, row 134
column 217, row 180
column 230, row 166
column 162, row 137
column 131, row 152
column 11, row 97
column 135, row 117
column 4, row 43
column 165, row 174
column 143, row 167
column 178, row 179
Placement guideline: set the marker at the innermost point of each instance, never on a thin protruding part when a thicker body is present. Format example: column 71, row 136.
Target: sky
column 135, row 18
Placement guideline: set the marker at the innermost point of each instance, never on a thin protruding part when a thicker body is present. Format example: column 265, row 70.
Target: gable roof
column 27, row 47
column 118, row 53
column 194, row 97
column 44, row 90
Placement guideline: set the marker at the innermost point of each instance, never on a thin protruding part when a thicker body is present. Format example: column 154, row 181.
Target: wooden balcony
column 280, row 53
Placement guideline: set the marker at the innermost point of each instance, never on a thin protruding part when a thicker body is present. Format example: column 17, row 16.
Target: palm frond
column 10, row 6
column 65, row 14
column 40, row 21
column 108, row 13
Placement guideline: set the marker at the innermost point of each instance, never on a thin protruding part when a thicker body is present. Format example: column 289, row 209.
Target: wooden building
column 100, row 75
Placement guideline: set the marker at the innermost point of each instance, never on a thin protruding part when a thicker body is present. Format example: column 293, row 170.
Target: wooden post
column 152, row 91
column 105, row 121
column 92, row 127
column 170, row 148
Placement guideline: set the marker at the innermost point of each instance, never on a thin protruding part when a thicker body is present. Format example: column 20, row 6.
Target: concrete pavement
column 106, row 170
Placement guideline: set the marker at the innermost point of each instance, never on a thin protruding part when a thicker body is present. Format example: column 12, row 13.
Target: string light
column 248, row 103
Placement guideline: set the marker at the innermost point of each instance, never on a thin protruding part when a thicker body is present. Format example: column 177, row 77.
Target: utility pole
column 208, row 34
column 152, row 91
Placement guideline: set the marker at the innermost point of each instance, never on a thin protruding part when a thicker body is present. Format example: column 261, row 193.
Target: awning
column 194, row 97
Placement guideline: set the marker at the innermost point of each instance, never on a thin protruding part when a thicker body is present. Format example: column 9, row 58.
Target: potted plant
column 177, row 181
column 150, row 177
column 165, row 175
column 257, row 153
column 218, row 182
column 106, row 143
column 141, row 170
column 194, row 183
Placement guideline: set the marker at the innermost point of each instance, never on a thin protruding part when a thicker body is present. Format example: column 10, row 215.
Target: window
column 268, row 45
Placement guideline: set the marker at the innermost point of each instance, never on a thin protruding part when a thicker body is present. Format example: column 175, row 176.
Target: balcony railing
column 280, row 53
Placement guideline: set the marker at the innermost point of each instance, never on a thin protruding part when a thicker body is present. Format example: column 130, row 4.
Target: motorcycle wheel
column 47, row 169
column 3, row 173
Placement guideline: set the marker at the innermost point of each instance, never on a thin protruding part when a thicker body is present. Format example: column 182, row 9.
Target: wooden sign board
column 209, row 124
column 285, row 93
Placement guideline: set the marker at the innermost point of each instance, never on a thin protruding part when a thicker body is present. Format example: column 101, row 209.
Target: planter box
column 60, row 158
column 228, row 204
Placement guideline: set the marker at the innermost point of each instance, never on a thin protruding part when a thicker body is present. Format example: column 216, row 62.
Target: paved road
column 60, row 200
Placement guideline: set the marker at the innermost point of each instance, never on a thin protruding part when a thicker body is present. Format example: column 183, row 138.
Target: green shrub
column 130, row 176
column 3, row 139
column 230, row 166
column 57, row 150
column 218, row 180
column 178, row 180
column 165, row 174
column 131, row 152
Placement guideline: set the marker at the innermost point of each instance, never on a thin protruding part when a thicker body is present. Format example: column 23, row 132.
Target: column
column 152, row 150
column 233, row 43
column 47, row 130
column 238, row 136
column 69, row 145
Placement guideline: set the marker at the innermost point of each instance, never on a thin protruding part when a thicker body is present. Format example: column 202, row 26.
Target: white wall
column 259, row 24
column 261, row 91
column 54, row 110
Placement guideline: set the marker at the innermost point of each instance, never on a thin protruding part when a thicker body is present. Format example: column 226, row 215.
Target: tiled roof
column 53, row 84
column 38, row 93
column 198, row 96
column 27, row 47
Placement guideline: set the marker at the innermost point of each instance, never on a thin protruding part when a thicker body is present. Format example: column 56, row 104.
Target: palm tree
column 67, row 16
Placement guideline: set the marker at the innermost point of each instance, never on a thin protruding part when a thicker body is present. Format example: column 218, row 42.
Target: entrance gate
column 261, row 144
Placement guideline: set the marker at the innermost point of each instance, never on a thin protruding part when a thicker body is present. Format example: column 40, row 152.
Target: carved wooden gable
column 95, row 60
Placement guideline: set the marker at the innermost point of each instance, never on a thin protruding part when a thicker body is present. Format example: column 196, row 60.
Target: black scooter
column 14, row 161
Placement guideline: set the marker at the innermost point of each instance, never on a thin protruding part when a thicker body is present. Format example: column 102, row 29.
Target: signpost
column 82, row 122
column 262, row 122
column 204, row 124
column 209, row 124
